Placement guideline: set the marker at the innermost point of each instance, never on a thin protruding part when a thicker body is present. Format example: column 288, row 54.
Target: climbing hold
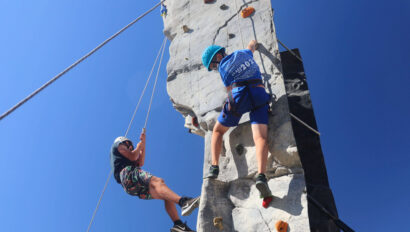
column 195, row 122
column 239, row 149
column 266, row 201
column 224, row 7
column 218, row 223
column 247, row 12
column 186, row 58
column 231, row 36
column 185, row 28
column 281, row 226
column 209, row 1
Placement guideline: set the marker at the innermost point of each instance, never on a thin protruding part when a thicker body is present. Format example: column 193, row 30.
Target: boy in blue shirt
column 246, row 93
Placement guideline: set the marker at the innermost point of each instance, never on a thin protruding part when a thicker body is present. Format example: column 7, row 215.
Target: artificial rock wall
column 191, row 26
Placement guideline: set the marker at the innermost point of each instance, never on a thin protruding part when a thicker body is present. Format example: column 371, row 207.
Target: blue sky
column 55, row 149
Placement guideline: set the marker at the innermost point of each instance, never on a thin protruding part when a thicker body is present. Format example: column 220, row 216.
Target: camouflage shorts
column 135, row 182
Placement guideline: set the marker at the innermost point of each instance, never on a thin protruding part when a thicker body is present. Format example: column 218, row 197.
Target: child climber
column 127, row 162
column 241, row 76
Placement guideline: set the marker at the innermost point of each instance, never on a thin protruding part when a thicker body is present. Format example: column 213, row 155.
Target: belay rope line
column 145, row 87
column 161, row 50
column 76, row 63
column 238, row 24
column 292, row 115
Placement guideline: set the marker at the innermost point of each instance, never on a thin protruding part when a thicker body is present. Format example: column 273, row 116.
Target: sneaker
column 262, row 186
column 189, row 205
column 181, row 227
column 213, row 172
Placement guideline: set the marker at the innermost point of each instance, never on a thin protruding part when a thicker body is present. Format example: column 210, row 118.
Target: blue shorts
column 246, row 100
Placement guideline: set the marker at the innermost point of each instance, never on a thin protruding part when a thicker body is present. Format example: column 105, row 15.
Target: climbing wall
column 198, row 95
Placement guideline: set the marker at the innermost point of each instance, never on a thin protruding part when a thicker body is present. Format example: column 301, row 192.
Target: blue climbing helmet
column 209, row 54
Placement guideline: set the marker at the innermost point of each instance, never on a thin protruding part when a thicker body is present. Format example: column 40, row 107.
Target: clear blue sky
column 55, row 149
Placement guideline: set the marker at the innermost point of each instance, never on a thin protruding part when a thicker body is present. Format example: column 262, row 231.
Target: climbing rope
column 292, row 115
column 99, row 200
column 238, row 25
column 76, row 63
column 339, row 223
column 155, row 84
column 162, row 48
column 305, row 124
column 145, row 87
column 300, row 59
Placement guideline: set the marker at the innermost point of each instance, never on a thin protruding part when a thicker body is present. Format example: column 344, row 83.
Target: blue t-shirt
column 239, row 66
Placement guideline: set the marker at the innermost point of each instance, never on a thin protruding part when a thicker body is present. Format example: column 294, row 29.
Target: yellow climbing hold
column 185, row 28
column 218, row 223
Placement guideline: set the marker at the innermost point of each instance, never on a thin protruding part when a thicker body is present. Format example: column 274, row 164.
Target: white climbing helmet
column 121, row 139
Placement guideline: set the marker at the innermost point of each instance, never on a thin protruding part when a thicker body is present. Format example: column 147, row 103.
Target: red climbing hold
column 266, row 201
column 195, row 122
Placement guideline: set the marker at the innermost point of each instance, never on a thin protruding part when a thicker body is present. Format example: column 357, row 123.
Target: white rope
column 238, row 25
column 305, row 124
column 155, row 84
column 298, row 119
column 300, row 59
column 99, row 200
column 145, row 87
column 76, row 63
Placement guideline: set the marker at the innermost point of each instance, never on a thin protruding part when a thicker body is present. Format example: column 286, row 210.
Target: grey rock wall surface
column 196, row 93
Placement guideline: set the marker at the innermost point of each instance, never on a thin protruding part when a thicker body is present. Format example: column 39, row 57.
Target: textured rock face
column 198, row 95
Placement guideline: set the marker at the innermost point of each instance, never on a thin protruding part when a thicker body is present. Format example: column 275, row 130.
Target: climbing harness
column 76, row 63
column 232, row 106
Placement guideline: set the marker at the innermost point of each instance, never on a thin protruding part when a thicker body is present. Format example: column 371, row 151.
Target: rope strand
column 145, row 87
column 238, row 25
column 155, row 84
column 99, row 200
column 75, row 63
column 300, row 59
column 305, row 124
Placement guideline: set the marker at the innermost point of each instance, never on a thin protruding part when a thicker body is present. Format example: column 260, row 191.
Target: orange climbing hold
column 266, row 201
column 281, row 226
column 247, row 12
